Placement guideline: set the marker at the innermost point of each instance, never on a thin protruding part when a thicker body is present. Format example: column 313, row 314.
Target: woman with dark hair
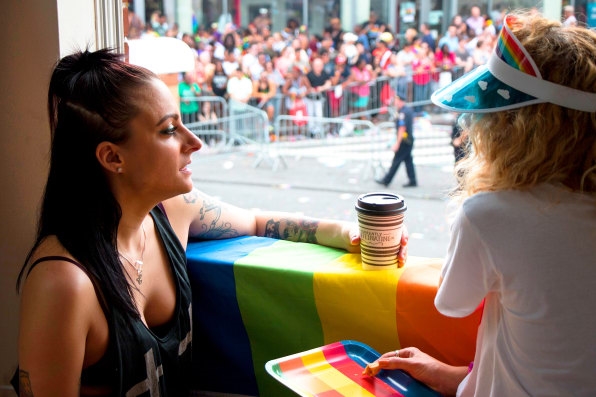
column 219, row 80
column 106, row 301
column 230, row 42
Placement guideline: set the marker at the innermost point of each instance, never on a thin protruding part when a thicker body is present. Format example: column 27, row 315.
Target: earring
column 119, row 170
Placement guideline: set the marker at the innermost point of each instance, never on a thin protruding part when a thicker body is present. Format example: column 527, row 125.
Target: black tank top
column 142, row 361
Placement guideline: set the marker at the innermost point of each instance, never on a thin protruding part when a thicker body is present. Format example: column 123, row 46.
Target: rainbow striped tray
column 335, row 370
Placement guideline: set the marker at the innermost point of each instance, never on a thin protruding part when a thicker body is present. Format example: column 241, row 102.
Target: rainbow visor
column 509, row 80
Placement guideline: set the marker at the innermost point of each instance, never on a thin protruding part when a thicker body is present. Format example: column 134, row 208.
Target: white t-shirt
column 240, row 89
column 532, row 255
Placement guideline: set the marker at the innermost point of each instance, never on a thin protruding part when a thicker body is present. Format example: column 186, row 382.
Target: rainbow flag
column 256, row 299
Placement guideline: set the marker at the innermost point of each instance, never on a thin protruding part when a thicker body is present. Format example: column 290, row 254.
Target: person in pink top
column 360, row 75
column 423, row 67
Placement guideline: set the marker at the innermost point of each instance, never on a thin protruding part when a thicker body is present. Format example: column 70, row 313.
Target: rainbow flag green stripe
column 257, row 288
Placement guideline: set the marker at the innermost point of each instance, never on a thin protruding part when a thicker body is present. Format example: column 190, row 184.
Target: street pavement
column 326, row 184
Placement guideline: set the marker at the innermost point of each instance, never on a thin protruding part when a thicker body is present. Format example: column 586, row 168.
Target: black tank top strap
column 55, row 258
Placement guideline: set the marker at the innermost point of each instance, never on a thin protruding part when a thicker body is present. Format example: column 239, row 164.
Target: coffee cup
column 380, row 218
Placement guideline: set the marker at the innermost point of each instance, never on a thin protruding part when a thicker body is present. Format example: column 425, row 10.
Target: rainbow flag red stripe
column 511, row 51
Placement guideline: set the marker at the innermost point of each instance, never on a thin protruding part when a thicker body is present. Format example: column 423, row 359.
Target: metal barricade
column 249, row 131
column 210, row 122
column 354, row 139
column 231, row 125
column 247, row 124
column 332, row 122
column 368, row 102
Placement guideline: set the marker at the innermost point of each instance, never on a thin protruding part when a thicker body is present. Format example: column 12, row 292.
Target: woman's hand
column 353, row 243
column 437, row 375
column 353, row 238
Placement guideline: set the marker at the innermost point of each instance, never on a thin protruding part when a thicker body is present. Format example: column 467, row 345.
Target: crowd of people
column 328, row 72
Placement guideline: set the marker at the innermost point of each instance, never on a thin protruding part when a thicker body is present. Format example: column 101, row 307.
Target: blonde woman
column 524, row 236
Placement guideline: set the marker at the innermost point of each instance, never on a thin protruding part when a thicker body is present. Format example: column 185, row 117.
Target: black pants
column 404, row 153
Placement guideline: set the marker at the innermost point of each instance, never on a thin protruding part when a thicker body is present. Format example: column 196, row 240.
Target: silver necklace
column 137, row 264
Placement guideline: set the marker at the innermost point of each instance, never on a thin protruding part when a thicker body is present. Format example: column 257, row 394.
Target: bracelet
column 470, row 366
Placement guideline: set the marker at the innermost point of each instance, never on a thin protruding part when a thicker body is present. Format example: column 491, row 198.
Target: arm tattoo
column 286, row 229
column 214, row 228
column 24, row 384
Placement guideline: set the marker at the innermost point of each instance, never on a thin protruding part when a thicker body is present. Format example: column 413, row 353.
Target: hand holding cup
column 380, row 219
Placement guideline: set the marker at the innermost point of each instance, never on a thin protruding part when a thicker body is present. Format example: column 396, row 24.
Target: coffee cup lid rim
column 380, row 203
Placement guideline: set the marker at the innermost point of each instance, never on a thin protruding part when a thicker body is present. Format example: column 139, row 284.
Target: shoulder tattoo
column 302, row 231
column 212, row 227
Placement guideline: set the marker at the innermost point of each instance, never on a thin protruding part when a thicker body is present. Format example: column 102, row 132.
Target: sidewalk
column 329, row 174
column 319, row 168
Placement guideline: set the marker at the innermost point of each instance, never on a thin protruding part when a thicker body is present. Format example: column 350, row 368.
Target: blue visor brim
column 479, row 91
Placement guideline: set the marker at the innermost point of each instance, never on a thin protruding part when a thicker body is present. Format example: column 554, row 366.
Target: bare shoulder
column 58, row 311
column 56, row 278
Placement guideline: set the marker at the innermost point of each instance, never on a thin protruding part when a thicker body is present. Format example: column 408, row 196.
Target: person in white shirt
column 523, row 237
column 475, row 21
column 250, row 58
column 239, row 86
column 569, row 18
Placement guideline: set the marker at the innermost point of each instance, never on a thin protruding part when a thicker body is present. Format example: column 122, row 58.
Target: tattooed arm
column 291, row 227
column 198, row 215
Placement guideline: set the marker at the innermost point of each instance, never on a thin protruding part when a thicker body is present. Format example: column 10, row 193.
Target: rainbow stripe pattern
column 256, row 299
column 479, row 91
column 512, row 52
column 335, row 370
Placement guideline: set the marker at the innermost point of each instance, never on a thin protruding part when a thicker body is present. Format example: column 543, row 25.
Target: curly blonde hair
column 541, row 143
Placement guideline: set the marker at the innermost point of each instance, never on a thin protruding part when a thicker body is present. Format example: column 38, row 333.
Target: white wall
column 76, row 25
column 31, row 46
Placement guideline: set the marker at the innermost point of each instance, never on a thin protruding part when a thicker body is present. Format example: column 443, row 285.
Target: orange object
column 419, row 323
